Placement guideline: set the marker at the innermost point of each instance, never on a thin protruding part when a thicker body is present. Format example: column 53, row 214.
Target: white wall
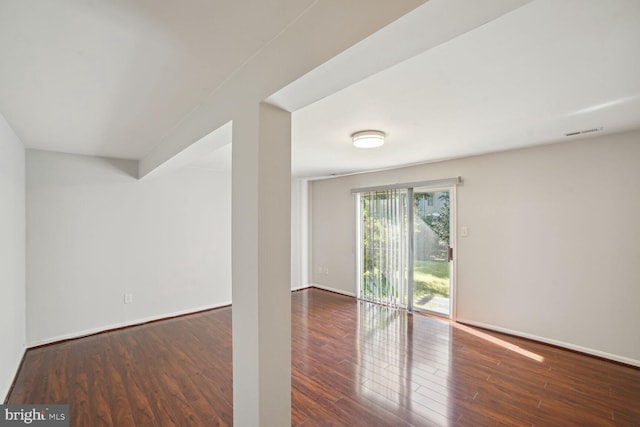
column 299, row 233
column 552, row 251
column 96, row 233
column 12, row 255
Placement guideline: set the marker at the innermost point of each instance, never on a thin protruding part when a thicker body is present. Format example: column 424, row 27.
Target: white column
column 261, row 266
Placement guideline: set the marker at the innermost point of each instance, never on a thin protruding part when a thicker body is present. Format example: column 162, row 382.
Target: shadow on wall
column 128, row 167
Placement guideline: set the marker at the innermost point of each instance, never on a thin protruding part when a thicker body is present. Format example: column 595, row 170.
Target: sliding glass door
column 404, row 243
column 432, row 250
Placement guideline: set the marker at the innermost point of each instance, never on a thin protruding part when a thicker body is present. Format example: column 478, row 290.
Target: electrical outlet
column 128, row 298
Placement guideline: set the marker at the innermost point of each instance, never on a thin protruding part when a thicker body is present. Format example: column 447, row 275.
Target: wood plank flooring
column 353, row 364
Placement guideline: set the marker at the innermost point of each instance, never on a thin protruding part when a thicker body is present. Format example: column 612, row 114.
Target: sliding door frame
column 410, row 249
column 453, row 243
column 447, row 184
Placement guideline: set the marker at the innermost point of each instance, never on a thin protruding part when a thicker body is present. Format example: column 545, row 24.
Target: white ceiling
column 113, row 78
column 548, row 68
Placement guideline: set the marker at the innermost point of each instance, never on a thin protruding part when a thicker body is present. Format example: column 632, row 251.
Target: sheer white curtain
column 383, row 246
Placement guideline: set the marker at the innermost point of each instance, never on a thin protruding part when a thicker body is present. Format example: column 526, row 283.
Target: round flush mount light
column 368, row 139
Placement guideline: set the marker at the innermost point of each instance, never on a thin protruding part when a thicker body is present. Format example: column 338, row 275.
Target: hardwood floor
column 354, row 364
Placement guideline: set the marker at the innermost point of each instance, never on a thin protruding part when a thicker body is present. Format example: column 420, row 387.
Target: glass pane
column 431, row 285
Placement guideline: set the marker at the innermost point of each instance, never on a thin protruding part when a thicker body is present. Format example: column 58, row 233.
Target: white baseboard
column 586, row 350
column 328, row 288
column 87, row 332
column 92, row 331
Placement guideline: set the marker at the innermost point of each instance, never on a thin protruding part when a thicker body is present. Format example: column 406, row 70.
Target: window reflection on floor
column 387, row 372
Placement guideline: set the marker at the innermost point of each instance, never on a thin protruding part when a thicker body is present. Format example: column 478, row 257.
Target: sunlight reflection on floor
column 507, row 345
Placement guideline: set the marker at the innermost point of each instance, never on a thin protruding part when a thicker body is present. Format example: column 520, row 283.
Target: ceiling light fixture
column 368, row 139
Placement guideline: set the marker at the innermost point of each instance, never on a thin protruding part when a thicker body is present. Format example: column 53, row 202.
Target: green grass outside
column 431, row 278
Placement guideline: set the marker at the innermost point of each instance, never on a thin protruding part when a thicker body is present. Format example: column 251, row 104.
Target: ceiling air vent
column 580, row 132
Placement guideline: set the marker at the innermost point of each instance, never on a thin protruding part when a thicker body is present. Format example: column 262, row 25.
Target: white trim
column 563, row 344
column 337, row 291
column 87, row 332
